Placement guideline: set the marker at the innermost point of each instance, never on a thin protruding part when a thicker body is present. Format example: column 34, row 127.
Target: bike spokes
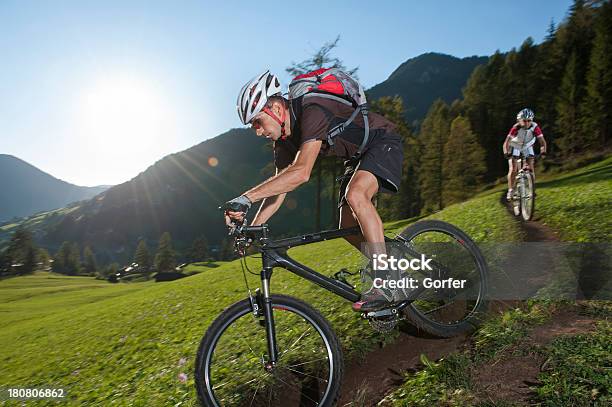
column 528, row 197
column 456, row 283
column 242, row 375
column 515, row 200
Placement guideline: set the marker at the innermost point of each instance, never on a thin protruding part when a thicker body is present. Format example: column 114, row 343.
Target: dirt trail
column 535, row 231
column 509, row 378
column 366, row 382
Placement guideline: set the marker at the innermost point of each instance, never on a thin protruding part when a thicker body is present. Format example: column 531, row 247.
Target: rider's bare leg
column 531, row 163
column 347, row 220
column 359, row 193
column 512, row 171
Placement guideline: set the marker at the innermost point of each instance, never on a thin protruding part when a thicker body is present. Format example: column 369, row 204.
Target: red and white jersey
column 524, row 137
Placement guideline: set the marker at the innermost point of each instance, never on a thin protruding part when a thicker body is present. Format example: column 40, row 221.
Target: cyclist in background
column 521, row 138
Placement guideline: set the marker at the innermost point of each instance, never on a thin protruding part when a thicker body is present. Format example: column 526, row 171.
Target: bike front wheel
column 451, row 308
column 527, row 197
column 515, row 199
column 233, row 369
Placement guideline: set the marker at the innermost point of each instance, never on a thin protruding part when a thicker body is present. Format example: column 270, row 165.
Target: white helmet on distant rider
column 254, row 95
column 525, row 114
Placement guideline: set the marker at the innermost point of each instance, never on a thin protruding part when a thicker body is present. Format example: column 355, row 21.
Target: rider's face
column 525, row 122
column 265, row 126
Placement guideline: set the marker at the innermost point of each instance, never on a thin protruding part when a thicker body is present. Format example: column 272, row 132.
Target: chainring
column 383, row 325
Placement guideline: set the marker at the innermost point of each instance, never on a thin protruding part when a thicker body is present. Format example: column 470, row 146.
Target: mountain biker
column 298, row 129
column 521, row 138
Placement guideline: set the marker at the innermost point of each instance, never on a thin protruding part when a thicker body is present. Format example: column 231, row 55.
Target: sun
column 125, row 115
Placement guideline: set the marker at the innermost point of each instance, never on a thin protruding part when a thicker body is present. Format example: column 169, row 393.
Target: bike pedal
column 391, row 311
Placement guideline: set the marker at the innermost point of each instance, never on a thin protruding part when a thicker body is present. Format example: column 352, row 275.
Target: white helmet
column 254, row 95
column 525, row 114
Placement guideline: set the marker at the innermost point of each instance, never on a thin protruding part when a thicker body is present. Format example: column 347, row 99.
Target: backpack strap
column 337, row 130
column 366, row 126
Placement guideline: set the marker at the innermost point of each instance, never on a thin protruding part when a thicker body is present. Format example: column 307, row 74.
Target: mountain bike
column 273, row 349
column 523, row 198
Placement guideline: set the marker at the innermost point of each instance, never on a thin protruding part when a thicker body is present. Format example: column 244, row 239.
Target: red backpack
column 332, row 83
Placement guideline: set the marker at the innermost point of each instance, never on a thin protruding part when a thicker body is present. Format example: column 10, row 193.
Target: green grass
column 442, row 383
column 578, row 370
column 195, row 268
column 29, row 298
column 447, row 382
column 126, row 348
column 505, row 330
column 34, row 222
column 483, row 219
column 125, row 343
column 578, row 204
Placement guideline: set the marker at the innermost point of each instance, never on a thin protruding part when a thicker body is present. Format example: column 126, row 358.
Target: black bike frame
column 274, row 254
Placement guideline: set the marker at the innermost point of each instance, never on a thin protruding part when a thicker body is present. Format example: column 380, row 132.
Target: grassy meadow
column 127, row 343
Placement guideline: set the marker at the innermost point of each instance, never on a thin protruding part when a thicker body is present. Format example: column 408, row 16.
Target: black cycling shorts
column 384, row 159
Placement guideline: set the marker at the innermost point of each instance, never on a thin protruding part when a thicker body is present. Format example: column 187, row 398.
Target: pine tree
column 489, row 109
column 548, row 73
column 21, row 251
column 567, row 109
column 74, row 266
column 61, row 258
column 67, row 260
column 142, row 257
column 575, row 40
column 199, row 250
column 43, row 258
column 110, row 272
column 433, row 136
column 321, row 58
column 5, row 263
column 30, row 260
column 227, row 250
column 463, row 164
column 596, row 110
column 407, row 202
column 90, row 267
column 165, row 259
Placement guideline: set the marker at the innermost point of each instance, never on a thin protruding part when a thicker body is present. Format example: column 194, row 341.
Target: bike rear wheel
column 448, row 311
column 528, row 197
column 232, row 369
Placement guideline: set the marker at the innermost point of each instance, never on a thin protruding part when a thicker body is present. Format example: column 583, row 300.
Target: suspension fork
column 266, row 303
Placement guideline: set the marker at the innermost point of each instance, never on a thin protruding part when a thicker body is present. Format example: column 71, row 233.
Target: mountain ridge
column 27, row 189
column 419, row 81
column 180, row 192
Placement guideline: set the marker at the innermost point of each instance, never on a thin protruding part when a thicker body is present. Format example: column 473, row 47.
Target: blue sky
column 95, row 92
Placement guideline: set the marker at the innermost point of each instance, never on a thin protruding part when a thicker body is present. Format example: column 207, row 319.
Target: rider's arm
column 291, row 177
column 268, row 207
column 541, row 140
column 505, row 145
column 511, row 133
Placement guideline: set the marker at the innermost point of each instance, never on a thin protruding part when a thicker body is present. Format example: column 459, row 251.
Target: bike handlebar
column 539, row 155
column 249, row 231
